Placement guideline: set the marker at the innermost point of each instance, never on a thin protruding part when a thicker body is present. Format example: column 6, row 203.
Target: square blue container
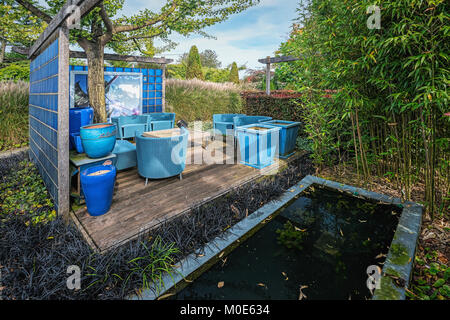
column 288, row 136
column 125, row 153
column 256, row 147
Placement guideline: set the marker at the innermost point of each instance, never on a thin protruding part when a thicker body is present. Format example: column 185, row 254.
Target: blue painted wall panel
column 43, row 116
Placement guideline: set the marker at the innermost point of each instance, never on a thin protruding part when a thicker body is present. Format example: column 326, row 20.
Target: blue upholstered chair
column 222, row 122
column 127, row 126
column 163, row 157
column 160, row 121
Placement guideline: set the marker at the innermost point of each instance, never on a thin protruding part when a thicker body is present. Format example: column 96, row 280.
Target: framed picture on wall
column 123, row 92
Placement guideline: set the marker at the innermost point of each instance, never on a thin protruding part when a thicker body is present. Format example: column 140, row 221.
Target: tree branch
column 128, row 28
column 34, row 10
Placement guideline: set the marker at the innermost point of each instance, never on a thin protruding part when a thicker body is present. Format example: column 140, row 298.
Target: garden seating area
column 149, row 147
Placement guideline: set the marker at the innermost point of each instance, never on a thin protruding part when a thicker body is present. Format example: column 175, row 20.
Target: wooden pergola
column 270, row 60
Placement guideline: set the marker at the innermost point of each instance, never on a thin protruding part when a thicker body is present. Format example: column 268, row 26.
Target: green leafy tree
column 194, row 65
column 208, row 58
column 17, row 26
column 103, row 27
column 234, row 73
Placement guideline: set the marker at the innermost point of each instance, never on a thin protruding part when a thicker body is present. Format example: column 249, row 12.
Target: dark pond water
column 322, row 242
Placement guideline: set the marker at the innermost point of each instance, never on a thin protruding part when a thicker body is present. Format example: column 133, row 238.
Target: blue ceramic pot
column 98, row 139
column 98, row 189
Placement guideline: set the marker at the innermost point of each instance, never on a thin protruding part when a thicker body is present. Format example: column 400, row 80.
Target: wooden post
column 63, row 123
column 268, row 76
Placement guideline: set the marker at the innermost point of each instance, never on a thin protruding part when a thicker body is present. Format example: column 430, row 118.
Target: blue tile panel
column 152, row 85
column 43, row 116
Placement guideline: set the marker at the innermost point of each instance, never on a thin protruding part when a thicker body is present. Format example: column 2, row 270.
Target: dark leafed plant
column 389, row 86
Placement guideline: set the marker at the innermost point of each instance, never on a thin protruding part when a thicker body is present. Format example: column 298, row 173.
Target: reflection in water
column 323, row 242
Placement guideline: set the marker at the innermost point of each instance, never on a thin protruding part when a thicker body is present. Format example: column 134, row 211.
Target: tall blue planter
column 98, row 189
column 98, row 139
column 288, row 136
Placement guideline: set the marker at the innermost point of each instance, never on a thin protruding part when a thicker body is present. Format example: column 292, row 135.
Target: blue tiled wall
column 152, row 91
column 43, row 116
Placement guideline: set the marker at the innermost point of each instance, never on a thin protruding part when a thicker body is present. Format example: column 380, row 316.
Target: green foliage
column 16, row 71
column 22, row 191
column 377, row 96
column 291, row 236
column 194, row 100
column 152, row 267
column 431, row 279
column 176, row 71
column 282, row 105
column 208, row 58
column 234, row 74
column 216, row 75
column 17, row 25
column 13, row 114
column 194, row 65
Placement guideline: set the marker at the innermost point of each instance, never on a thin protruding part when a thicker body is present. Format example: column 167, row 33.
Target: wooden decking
column 136, row 208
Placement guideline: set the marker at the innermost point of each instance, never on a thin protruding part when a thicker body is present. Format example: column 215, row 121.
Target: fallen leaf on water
column 164, row 296
column 246, row 212
column 224, row 261
column 221, row 254
column 362, row 221
column 342, row 234
column 285, row 276
column 220, row 284
column 262, row 285
column 381, row 255
column 302, row 295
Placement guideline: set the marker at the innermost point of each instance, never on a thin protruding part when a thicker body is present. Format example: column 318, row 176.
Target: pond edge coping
column 398, row 265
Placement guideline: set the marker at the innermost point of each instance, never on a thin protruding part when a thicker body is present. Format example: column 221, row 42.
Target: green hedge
column 280, row 105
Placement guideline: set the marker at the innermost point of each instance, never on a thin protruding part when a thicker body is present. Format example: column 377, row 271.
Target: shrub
column 234, row 74
column 13, row 114
column 196, row 100
column 16, row 71
column 281, row 105
column 194, row 65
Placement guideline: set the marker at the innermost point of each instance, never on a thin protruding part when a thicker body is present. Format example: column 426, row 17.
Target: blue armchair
column 224, row 122
column 161, row 157
column 127, row 126
column 160, row 121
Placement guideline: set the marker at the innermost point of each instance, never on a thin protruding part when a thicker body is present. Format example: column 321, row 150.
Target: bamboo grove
column 385, row 106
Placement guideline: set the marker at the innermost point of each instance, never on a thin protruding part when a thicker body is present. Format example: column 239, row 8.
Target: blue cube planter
column 125, row 154
column 98, row 189
column 288, row 136
column 75, row 140
column 79, row 117
column 256, row 147
column 98, row 139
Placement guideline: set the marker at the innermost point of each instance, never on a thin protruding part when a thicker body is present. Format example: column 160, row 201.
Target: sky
column 244, row 38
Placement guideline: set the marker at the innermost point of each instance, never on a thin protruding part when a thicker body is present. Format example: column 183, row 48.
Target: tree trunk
column 96, row 80
column 2, row 50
